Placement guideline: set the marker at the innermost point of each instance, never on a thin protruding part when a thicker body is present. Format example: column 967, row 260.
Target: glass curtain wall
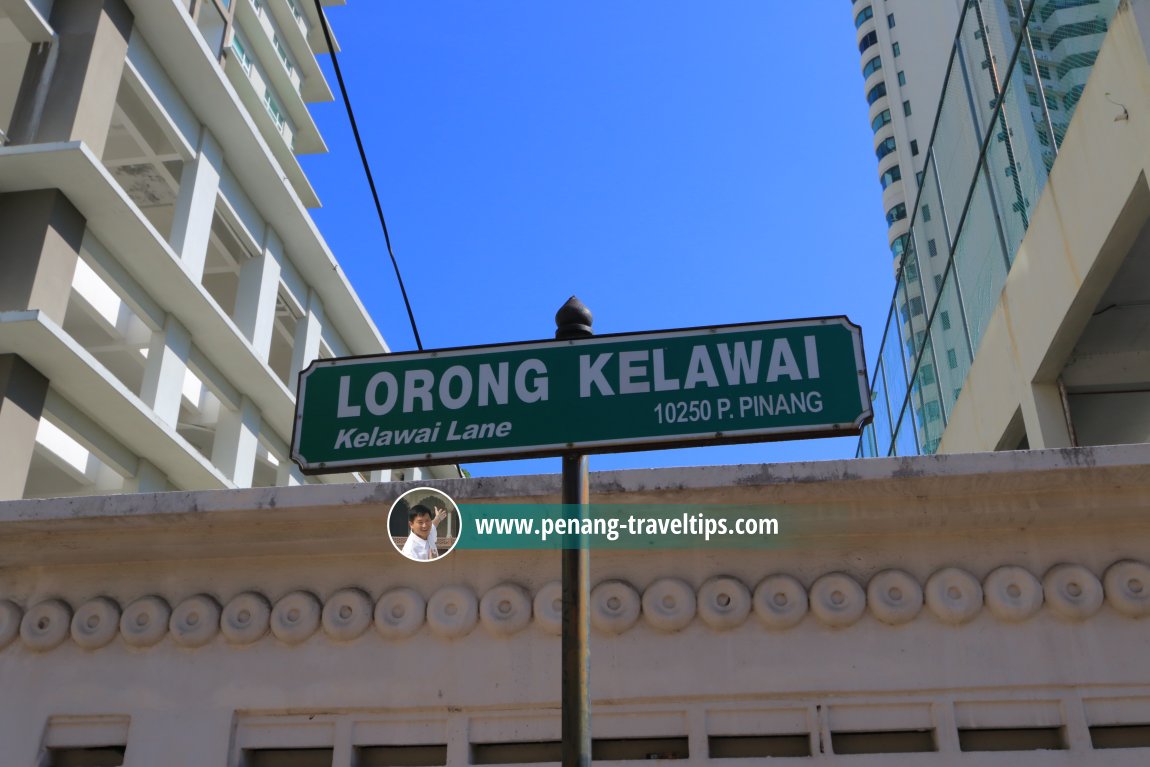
column 1016, row 72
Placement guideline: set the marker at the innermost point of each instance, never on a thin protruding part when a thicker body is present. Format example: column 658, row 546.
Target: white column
column 237, row 438
column 288, row 474
column 164, row 372
column 1044, row 417
column 256, row 296
column 308, row 332
column 148, row 479
column 196, row 205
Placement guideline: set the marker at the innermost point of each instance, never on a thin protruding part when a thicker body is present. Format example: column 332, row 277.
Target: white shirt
column 418, row 548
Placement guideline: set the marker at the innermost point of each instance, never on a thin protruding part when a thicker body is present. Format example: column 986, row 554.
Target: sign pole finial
column 573, row 320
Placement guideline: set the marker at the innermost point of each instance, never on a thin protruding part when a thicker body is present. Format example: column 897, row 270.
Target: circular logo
column 424, row 524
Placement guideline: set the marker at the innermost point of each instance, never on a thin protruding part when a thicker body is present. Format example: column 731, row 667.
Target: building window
column 952, row 359
column 944, row 318
column 274, row 109
column 925, row 213
column 86, row 757
column 241, row 51
column 297, row 13
column 870, row 39
column 914, row 148
column 918, row 177
column 890, row 20
column 899, row 245
column 896, row 49
column 882, row 119
column 906, row 108
column 902, row 78
column 864, row 14
column 885, row 148
column 897, row 213
column 891, row 176
column 932, row 248
column 284, row 757
column 876, row 93
column 872, row 66
column 285, row 57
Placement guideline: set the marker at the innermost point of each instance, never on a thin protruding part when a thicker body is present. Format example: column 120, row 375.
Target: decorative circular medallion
column 837, row 600
column 724, row 602
column 1072, row 591
column 10, row 615
column 195, row 621
column 452, row 612
column 953, row 595
column 96, row 623
column 245, row 618
column 347, row 614
column 505, row 609
column 780, row 601
column 548, row 608
column 1127, row 585
column 614, row 606
column 145, row 621
column 296, row 617
column 399, row 613
column 669, row 604
column 46, row 625
column 1012, row 593
column 894, row 597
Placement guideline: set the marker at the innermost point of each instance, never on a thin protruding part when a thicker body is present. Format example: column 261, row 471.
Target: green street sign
column 638, row 391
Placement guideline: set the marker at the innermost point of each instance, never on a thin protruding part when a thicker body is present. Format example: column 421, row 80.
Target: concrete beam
column 43, row 233
column 69, row 88
column 22, row 393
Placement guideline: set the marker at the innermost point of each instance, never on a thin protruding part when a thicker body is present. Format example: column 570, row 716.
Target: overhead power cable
column 366, row 168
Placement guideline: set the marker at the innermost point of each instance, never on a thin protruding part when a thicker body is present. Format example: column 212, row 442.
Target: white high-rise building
column 903, row 66
column 161, row 281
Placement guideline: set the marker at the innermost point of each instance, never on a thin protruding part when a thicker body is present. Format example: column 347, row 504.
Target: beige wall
column 929, row 595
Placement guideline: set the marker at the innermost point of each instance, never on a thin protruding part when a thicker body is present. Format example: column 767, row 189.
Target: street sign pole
column 573, row 320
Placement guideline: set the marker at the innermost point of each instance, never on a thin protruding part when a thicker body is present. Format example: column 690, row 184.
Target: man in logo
column 420, row 545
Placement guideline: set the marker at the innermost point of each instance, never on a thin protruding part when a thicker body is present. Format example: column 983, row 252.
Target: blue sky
column 671, row 163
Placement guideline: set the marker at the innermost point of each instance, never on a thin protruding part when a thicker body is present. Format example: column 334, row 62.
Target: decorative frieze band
column 779, row 602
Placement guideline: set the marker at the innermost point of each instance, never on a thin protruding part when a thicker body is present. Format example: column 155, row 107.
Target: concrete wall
column 918, row 603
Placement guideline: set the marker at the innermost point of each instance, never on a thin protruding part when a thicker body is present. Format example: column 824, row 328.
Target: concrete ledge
column 819, row 503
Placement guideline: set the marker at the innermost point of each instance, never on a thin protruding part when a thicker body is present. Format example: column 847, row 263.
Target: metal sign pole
column 573, row 320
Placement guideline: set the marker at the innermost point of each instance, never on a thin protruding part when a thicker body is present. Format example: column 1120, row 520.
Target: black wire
column 366, row 168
